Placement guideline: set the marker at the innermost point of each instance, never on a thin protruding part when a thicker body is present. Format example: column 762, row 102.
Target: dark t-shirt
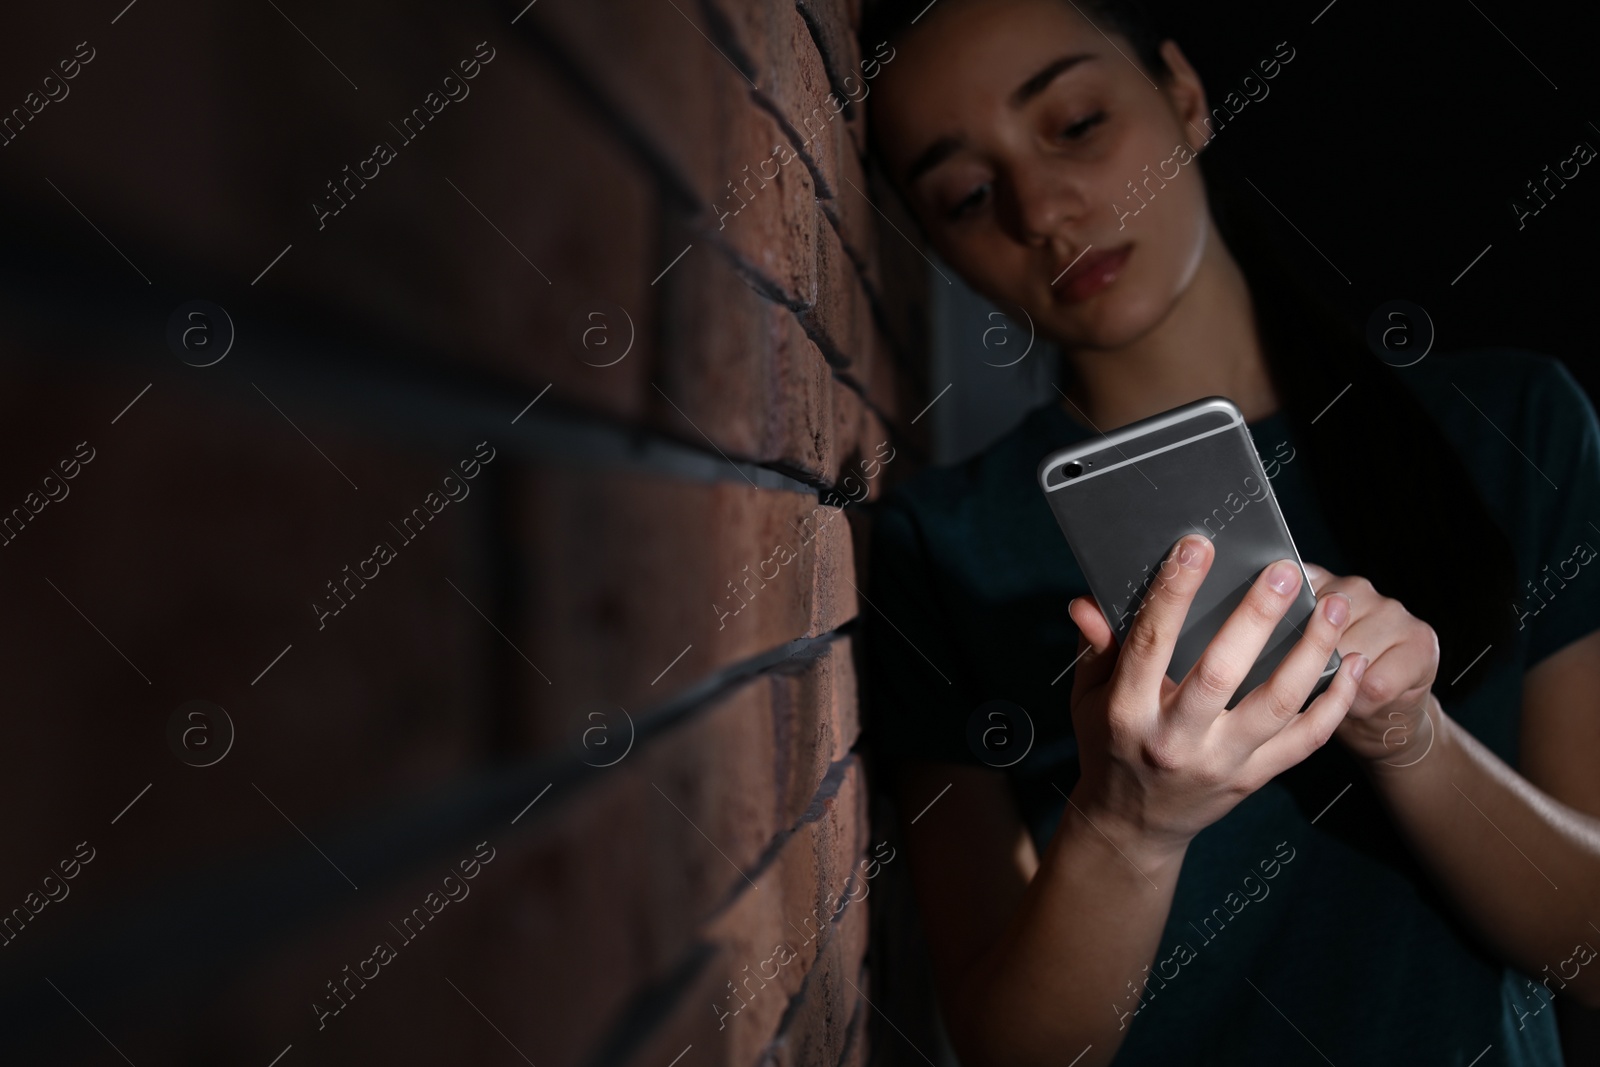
column 1304, row 893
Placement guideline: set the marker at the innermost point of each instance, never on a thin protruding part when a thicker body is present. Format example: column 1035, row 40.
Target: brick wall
column 582, row 663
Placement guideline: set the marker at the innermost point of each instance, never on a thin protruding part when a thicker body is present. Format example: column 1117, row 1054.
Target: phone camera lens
column 1072, row 470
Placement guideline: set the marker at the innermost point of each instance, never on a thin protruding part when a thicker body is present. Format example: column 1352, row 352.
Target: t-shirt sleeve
column 915, row 707
column 1569, row 542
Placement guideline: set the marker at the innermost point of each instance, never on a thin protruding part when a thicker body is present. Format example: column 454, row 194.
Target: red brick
column 613, row 877
column 866, row 449
column 833, row 26
column 653, row 62
column 857, row 220
column 850, row 426
column 764, row 209
column 801, row 422
column 845, row 711
column 182, row 173
column 840, row 319
column 789, row 75
column 826, row 1009
column 694, row 1019
column 611, row 883
column 887, row 393
column 620, row 871
column 759, row 931
column 408, row 255
column 693, row 106
column 620, row 876
column 716, row 350
column 599, row 252
column 796, row 897
column 739, row 369
column 814, row 709
column 692, row 1022
column 455, row 242
column 835, row 570
column 596, row 893
column 839, row 827
column 823, row 132
column 270, row 1004
column 630, row 576
column 196, row 540
column 836, row 23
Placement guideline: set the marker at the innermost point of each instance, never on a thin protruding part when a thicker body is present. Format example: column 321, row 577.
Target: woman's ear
column 1186, row 96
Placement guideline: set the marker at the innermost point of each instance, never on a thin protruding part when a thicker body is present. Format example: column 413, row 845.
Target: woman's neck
column 1207, row 345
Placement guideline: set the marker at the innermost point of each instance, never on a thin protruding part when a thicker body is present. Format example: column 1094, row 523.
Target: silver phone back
column 1140, row 488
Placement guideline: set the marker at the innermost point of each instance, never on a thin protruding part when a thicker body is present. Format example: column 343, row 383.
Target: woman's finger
column 1399, row 670
column 1096, row 652
column 1311, row 730
column 1318, row 574
column 1147, row 650
column 1277, row 701
column 1233, row 651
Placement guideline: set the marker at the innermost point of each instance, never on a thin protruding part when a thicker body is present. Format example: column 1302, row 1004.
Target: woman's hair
column 1393, row 490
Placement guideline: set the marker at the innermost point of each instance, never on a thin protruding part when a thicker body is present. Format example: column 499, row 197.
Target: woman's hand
column 1162, row 761
column 1388, row 722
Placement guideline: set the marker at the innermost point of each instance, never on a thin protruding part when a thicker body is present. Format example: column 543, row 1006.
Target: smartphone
column 1124, row 499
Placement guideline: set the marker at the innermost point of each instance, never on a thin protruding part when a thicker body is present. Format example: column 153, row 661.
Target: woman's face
column 1013, row 128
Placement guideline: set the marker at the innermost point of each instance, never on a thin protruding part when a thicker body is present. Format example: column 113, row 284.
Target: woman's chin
column 1108, row 321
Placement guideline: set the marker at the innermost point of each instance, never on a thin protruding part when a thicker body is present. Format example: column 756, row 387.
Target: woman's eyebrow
column 1052, row 70
column 931, row 157
column 946, row 146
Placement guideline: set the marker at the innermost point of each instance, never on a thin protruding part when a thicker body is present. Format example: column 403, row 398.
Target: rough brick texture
column 624, row 663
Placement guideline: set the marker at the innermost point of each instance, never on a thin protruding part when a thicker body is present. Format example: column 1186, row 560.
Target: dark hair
column 1387, row 478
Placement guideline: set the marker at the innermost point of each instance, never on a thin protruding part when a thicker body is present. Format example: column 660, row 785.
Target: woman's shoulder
column 1504, row 377
column 1519, row 395
column 985, row 485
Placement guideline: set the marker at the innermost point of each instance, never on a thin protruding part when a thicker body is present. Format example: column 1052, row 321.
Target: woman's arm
column 1519, row 856
column 1042, row 962
column 1561, row 725
column 1522, row 863
column 1034, row 961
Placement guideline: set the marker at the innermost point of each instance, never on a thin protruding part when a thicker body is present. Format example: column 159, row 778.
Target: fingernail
column 1281, row 576
column 1189, row 553
column 1338, row 608
column 1359, row 669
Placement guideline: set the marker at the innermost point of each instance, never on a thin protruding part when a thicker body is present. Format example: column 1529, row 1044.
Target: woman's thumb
column 1095, row 640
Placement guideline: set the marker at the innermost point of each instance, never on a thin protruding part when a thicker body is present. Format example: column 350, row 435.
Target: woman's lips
column 1094, row 272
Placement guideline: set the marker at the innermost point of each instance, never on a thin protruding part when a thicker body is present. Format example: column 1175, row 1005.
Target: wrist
column 1424, row 752
column 1123, row 843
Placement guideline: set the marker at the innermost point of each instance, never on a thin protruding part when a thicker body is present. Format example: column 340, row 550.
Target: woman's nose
column 1044, row 202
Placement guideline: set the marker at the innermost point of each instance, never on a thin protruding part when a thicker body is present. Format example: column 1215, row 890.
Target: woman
column 1159, row 880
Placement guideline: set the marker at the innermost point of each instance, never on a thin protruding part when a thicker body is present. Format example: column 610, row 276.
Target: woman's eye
column 1078, row 129
column 969, row 204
